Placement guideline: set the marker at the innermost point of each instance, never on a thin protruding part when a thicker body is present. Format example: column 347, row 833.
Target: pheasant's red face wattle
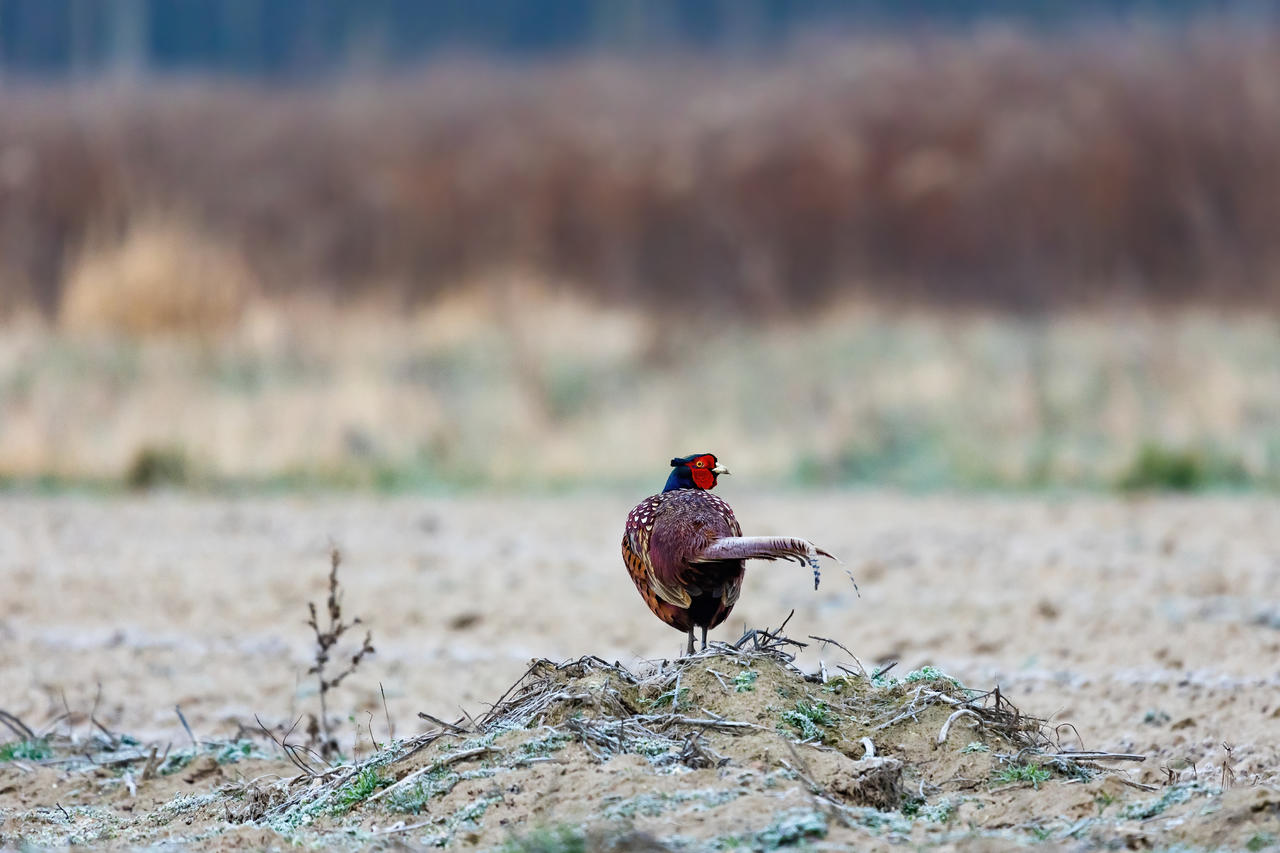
column 700, row 469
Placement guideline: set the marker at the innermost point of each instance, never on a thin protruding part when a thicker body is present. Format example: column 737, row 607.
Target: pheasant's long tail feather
column 802, row 551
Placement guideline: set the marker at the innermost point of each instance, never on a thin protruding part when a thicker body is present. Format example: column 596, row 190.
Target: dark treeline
column 293, row 38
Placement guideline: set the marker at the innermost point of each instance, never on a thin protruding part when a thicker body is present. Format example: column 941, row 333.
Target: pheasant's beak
column 719, row 469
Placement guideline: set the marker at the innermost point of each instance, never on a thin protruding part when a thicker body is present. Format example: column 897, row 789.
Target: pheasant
column 685, row 550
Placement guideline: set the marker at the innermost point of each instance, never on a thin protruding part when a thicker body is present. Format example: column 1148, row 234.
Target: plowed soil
column 1152, row 626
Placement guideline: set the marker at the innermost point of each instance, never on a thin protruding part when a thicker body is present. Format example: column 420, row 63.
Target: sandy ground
column 1152, row 625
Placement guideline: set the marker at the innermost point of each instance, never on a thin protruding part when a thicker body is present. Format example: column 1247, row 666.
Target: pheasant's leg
column 704, row 638
column 689, row 650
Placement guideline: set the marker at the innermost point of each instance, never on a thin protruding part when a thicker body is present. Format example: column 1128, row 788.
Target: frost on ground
column 732, row 748
column 1144, row 624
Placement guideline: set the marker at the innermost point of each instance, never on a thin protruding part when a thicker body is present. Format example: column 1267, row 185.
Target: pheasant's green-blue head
column 697, row 471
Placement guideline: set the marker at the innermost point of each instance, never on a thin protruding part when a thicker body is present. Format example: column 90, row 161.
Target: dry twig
column 326, row 639
column 16, row 726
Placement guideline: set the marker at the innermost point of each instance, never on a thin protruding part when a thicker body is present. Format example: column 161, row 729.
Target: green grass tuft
column 1260, row 841
column 1172, row 797
column 930, row 673
column 234, row 751
column 809, row 719
column 360, row 789
column 1156, row 717
column 560, row 839
column 1014, row 773
column 790, row 829
column 940, row 812
column 1159, row 468
column 671, row 700
column 415, row 799
column 26, row 750
column 553, row 742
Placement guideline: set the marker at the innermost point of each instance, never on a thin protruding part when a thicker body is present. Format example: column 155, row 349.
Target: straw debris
column 667, row 730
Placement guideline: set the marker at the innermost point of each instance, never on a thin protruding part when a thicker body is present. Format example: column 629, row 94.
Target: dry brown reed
column 162, row 275
column 1016, row 171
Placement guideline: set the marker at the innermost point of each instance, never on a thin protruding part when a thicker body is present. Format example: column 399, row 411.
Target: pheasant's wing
column 636, row 552
column 640, row 560
column 802, row 551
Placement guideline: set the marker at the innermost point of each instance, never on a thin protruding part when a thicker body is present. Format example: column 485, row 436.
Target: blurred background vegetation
column 403, row 245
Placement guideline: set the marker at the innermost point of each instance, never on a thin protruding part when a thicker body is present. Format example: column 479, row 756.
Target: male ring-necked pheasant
column 685, row 551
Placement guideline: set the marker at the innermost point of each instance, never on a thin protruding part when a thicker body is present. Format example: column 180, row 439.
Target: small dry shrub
column 155, row 466
column 163, row 275
column 327, row 637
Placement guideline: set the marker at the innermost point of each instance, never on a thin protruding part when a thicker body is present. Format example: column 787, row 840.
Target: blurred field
column 1001, row 170
column 507, row 388
column 994, row 260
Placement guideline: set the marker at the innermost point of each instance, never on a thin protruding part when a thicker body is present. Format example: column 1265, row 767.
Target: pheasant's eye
column 701, row 464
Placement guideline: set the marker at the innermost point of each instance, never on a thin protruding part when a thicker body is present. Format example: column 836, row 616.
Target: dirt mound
column 734, row 747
